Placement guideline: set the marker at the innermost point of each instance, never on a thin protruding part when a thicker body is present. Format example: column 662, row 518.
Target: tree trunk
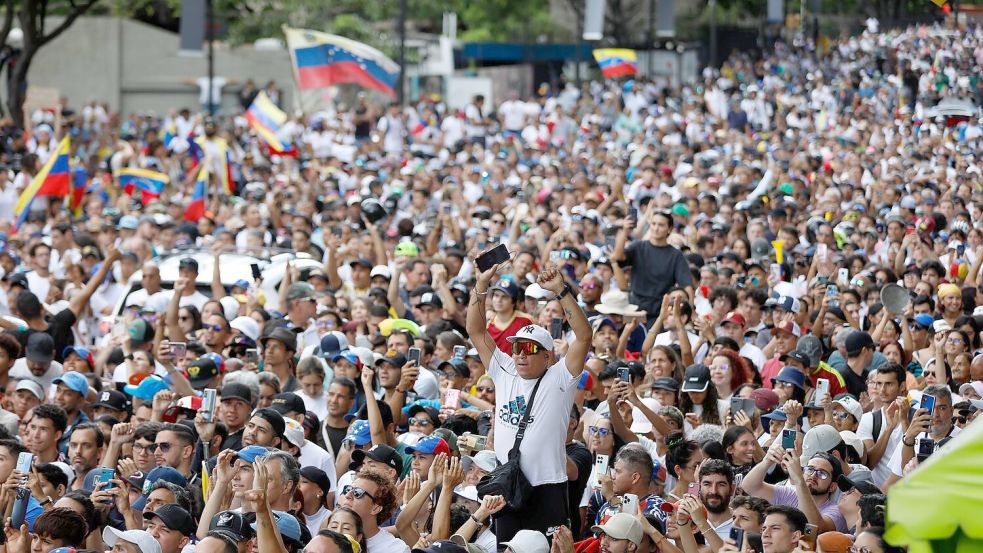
column 18, row 88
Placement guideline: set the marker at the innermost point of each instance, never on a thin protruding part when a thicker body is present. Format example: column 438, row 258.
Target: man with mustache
column 716, row 488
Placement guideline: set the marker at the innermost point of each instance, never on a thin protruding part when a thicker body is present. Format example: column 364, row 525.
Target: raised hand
column 437, row 468
column 223, row 466
column 490, row 504
column 454, row 474
column 551, row 279
column 367, row 376
column 122, row 432
column 411, row 485
column 562, row 541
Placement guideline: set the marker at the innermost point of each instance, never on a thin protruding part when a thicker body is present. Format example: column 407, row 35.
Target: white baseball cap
column 294, row 432
column 68, row 470
column 640, row 424
column 381, row 270
column 533, row 333
column 31, row 386
column 528, row 541
column 622, row 526
column 485, row 460
column 537, row 292
column 247, row 326
column 851, row 406
column 140, row 538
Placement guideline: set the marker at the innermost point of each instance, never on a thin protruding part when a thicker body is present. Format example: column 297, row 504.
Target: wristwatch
column 566, row 290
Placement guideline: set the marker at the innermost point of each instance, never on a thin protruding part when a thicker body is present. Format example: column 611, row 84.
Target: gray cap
column 811, row 347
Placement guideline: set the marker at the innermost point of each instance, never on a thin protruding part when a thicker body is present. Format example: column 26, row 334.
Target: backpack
column 878, row 421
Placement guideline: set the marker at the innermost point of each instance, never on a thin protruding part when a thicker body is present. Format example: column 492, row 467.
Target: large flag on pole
column 267, row 120
column 322, row 60
column 196, row 208
column 53, row 180
column 616, row 62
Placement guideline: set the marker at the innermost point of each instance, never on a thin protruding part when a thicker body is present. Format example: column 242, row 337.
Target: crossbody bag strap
column 525, row 419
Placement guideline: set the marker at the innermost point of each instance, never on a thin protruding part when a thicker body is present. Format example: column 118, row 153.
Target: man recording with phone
column 927, row 429
column 517, row 378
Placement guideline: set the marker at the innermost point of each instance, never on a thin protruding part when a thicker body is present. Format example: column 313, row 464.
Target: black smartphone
column 556, row 328
column 754, row 542
column 497, row 255
column 926, row 446
column 414, row 355
column 624, row 374
column 737, row 535
column 633, row 213
column 255, row 268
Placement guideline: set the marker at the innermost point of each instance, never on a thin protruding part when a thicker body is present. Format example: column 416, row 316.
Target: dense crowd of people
column 729, row 316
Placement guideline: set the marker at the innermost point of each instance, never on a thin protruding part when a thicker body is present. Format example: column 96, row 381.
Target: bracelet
column 481, row 294
column 563, row 293
column 704, row 530
column 688, row 522
column 906, row 444
column 476, row 521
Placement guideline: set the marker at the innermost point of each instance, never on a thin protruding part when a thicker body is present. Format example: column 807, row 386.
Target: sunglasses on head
column 526, row 348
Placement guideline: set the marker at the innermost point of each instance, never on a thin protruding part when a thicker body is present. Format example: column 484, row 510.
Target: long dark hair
column 711, row 414
column 359, row 528
column 680, row 452
column 731, row 436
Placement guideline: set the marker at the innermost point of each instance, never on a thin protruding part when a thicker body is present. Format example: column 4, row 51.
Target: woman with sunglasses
column 601, row 440
column 949, row 347
column 533, row 361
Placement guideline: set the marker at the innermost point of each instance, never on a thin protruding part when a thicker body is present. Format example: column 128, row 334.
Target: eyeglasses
column 841, row 415
column 213, row 328
column 486, row 389
column 954, row 341
column 420, row 421
column 588, row 286
column 525, row 348
column 602, row 432
column 356, row 492
column 143, row 448
column 164, row 447
column 822, row 474
column 916, row 326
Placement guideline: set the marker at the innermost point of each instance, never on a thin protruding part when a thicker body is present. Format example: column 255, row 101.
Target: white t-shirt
column 865, row 431
column 19, row 370
column 384, row 542
column 317, row 405
column 544, row 458
column 38, row 285
column 217, row 84
column 513, row 114
column 313, row 455
column 314, row 521
column 486, row 540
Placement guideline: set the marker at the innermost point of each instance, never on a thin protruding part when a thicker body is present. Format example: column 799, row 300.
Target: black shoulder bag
column 508, row 480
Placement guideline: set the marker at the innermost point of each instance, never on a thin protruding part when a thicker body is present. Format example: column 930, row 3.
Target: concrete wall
column 136, row 67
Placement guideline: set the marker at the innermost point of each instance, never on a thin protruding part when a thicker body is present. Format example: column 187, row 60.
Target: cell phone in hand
column 629, row 504
column 254, row 267
column 737, row 535
column 926, row 446
column 208, row 404
column 178, row 349
column 497, row 255
column 252, row 356
column 601, row 464
column 776, row 271
column 741, row 404
column 822, row 390
column 693, row 489
column 624, row 374
column 556, row 328
column 788, row 438
column 843, row 277
column 459, row 352
column 414, row 355
column 928, row 403
column 452, row 399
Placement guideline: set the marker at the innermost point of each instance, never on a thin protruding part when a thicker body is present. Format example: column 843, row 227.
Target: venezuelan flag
column 223, row 163
column 196, row 208
column 267, row 120
column 616, row 62
column 80, row 178
column 149, row 183
column 52, row 181
column 322, row 60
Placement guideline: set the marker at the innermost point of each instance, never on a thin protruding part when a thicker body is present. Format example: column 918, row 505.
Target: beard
column 817, row 491
column 721, row 505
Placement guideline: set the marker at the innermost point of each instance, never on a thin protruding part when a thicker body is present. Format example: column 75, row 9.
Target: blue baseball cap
column 507, row 286
column 74, row 381
column 82, row 352
column 251, row 452
column 147, row 388
column 924, row 320
column 349, row 356
column 430, row 445
column 128, row 222
column 241, row 283
column 777, row 415
column 286, row 524
column 359, row 433
column 792, row 376
column 331, row 346
column 167, row 474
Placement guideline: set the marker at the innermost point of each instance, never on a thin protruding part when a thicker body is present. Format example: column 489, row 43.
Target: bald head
column 976, row 368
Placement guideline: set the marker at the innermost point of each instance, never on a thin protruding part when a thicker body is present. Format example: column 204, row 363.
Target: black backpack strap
column 525, row 419
column 878, row 421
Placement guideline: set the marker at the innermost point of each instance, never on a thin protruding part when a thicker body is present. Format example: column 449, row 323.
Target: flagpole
column 402, row 51
column 210, row 36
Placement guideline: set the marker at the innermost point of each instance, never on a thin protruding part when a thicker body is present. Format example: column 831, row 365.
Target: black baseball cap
column 237, row 391
column 379, row 452
column 174, row 517
column 667, row 383
column 274, row 418
column 845, row 484
column 318, row 477
column 288, row 402
column 113, row 399
column 232, row 525
column 696, row 378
